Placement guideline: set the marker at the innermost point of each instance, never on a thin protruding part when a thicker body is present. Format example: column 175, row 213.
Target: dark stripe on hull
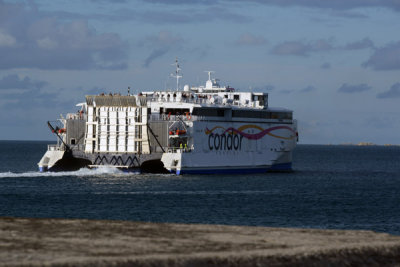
column 277, row 167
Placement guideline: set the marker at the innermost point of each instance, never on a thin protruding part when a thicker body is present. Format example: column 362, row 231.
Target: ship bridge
column 210, row 94
column 215, row 98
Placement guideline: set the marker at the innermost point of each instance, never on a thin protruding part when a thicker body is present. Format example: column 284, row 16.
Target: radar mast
column 209, row 83
column 209, row 74
column 177, row 74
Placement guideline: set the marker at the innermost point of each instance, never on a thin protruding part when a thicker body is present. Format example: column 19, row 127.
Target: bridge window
column 176, row 111
column 261, row 114
column 210, row 112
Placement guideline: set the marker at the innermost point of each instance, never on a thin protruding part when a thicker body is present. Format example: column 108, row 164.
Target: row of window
column 212, row 112
column 173, row 111
column 256, row 114
column 128, row 122
column 261, row 114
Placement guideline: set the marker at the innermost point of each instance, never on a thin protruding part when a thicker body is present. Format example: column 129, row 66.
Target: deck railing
column 53, row 148
column 196, row 100
column 166, row 117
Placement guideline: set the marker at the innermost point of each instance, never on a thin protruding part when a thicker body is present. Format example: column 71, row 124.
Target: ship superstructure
column 205, row 129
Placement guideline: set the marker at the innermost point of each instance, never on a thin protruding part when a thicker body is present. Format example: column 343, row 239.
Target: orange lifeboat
column 180, row 132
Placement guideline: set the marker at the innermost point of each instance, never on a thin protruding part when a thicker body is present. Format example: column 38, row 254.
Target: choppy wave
column 80, row 173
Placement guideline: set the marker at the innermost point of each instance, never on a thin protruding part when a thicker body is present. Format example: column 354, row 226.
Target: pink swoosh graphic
column 260, row 134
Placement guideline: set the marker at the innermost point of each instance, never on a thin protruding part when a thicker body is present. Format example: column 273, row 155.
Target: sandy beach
column 77, row 242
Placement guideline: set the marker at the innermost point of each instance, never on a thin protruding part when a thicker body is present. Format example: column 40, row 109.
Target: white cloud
column 14, row 81
column 393, row 92
column 308, row 89
column 350, row 89
column 164, row 38
column 46, row 42
column 335, row 5
column 326, row 65
column 361, row 44
column 250, row 39
column 301, row 48
column 6, row 39
column 304, row 48
column 322, row 4
column 385, row 58
column 161, row 44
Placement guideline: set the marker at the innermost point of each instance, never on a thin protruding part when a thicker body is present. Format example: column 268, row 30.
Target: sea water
column 331, row 187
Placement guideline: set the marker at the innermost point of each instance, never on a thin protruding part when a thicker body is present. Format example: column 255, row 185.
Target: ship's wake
column 79, row 173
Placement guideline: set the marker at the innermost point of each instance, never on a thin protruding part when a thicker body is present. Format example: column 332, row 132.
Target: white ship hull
column 209, row 129
column 228, row 147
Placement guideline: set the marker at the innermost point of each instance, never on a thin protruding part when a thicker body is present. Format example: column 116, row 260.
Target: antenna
column 209, row 73
column 176, row 74
column 209, row 83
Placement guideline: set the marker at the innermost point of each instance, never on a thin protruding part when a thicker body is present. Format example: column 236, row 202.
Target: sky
column 336, row 64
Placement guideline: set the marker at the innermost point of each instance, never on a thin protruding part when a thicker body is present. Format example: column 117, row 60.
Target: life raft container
column 188, row 116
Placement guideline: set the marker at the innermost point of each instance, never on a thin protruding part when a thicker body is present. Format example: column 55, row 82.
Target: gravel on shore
column 80, row 242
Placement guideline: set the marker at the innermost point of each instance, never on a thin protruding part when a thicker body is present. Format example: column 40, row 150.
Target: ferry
column 207, row 129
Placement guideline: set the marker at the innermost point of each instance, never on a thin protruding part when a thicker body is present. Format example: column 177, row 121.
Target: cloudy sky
column 335, row 63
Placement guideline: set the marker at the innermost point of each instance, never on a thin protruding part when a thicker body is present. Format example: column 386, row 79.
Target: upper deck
column 209, row 102
column 212, row 94
column 222, row 98
column 213, row 102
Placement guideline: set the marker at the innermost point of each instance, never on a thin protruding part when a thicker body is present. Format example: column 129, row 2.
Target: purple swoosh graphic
column 257, row 135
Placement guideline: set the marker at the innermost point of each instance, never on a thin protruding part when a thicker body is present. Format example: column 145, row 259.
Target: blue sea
column 331, row 187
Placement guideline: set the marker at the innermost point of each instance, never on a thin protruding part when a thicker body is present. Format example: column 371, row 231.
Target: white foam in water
column 80, row 173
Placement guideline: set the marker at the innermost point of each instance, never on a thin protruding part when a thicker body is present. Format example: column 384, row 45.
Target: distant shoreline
column 366, row 144
column 32, row 141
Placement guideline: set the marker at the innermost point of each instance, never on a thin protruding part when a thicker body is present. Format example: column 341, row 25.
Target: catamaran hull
column 58, row 162
column 74, row 160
